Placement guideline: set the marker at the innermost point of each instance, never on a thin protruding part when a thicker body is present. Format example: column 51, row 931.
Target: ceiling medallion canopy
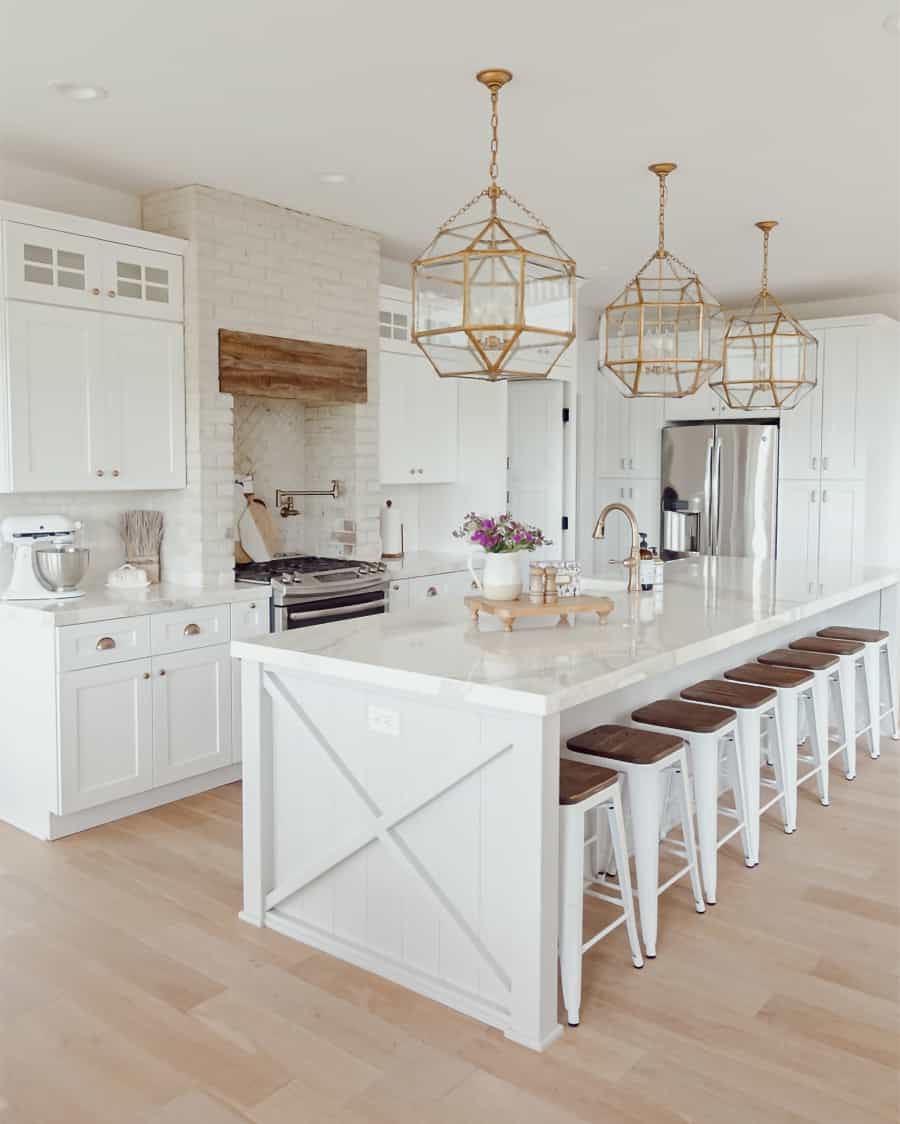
column 663, row 331
column 494, row 293
column 769, row 359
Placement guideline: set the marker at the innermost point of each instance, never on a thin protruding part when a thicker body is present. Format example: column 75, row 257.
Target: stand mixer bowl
column 59, row 568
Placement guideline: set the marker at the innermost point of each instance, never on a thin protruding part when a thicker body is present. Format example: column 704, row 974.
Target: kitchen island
column 401, row 772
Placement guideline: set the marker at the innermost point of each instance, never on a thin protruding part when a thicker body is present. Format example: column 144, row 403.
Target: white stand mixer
column 24, row 533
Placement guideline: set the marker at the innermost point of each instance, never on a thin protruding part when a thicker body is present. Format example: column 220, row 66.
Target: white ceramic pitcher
column 501, row 579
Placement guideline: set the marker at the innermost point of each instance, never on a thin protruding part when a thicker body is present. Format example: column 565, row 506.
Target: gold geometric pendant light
column 664, row 331
column 493, row 294
column 769, row 359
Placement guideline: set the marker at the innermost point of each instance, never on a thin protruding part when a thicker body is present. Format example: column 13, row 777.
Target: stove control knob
column 287, row 578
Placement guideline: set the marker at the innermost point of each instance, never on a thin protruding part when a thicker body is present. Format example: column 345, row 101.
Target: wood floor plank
column 130, row 991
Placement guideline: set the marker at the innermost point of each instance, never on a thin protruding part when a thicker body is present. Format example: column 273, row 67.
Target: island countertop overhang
column 707, row 606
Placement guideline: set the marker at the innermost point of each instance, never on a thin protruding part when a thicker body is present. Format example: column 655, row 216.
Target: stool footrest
column 603, row 933
column 730, row 834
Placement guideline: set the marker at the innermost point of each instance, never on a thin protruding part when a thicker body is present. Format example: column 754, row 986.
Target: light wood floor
column 129, row 991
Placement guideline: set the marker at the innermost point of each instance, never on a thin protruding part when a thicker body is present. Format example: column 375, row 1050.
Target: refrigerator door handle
column 706, row 531
column 714, row 494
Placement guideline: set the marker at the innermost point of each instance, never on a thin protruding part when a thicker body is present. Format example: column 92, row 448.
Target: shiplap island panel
column 401, row 772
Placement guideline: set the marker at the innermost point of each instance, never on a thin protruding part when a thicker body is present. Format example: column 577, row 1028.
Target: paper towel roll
column 391, row 532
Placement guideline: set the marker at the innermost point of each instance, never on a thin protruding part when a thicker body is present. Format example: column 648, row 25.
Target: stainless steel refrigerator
column 719, row 489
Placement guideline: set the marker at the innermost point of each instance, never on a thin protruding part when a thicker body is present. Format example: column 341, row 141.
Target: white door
column 799, row 502
column 435, row 424
column 56, row 397
column 105, row 738
column 143, row 434
column 141, row 282
column 52, row 267
column 535, row 445
column 843, row 396
column 191, row 713
column 801, row 431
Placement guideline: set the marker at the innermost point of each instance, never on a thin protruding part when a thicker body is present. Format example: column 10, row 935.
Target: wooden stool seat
column 863, row 635
column 577, row 782
column 624, row 743
column 770, row 676
column 808, row 661
column 740, row 696
column 693, row 718
column 832, row 647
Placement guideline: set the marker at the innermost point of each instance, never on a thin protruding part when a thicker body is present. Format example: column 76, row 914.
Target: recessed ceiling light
column 78, row 91
column 332, row 177
column 891, row 23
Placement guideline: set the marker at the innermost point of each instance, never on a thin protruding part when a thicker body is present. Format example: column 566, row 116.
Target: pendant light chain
column 495, row 142
column 765, row 270
column 663, row 195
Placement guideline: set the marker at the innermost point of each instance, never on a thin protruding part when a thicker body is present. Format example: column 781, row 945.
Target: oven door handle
column 342, row 610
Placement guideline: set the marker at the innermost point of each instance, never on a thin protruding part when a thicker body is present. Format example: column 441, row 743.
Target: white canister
column 501, row 579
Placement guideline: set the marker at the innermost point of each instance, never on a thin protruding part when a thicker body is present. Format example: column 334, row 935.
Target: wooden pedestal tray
column 510, row 611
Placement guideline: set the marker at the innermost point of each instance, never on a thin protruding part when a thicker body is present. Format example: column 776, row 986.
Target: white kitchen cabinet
column 143, row 416
column 398, row 595
column 628, row 432
column 800, row 456
column 52, row 266
column 191, row 713
column 418, row 421
column 798, row 531
column 843, row 395
column 106, row 734
column 842, row 524
column 96, row 402
column 141, row 282
column 821, row 529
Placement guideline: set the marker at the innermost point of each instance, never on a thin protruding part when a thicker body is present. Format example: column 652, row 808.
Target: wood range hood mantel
column 320, row 374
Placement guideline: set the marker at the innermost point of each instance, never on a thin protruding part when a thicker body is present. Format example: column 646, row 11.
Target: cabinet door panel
column 843, row 450
column 105, row 734
column 798, row 533
column 841, row 542
column 143, row 435
column 644, row 436
column 138, row 282
column 418, row 420
column 52, row 267
column 191, row 713
column 612, row 429
column 801, row 431
column 57, row 403
column 395, row 416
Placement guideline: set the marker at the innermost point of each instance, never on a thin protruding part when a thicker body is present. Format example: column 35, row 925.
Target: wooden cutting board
column 259, row 536
column 510, row 611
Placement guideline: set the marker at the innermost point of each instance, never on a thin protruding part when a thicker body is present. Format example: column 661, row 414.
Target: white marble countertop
column 706, row 606
column 427, row 563
column 102, row 604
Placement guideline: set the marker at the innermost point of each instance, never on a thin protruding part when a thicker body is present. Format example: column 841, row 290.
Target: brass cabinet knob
column 163, row 672
column 95, row 292
column 99, row 471
column 431, row 592
column 105, row 644
column 110, row 292
column 252, row 604
column 146, row 674
column 115, row 472
column 192, row 630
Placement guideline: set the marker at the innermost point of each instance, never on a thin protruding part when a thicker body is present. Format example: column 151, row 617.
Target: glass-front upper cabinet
column 140, row 282
column 52, row 267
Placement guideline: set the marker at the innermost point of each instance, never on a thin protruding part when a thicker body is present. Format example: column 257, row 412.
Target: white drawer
column 429, row 589
column 398, row 595
column 249, row 618
column 189, row 628
column 103, row 642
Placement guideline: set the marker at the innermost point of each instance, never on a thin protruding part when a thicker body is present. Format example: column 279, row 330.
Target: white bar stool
column 879, row 663
column 851, row 655
column 755, row 705
column 706, row 729
column 825, row 689
column 582, row 789
column 646, row 759
column 794, row 690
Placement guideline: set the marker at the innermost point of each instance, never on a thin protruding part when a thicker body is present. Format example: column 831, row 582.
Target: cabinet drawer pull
column 431, row 591
column 825, row 463
column 110, row 292
column 95, row 292
column 163, row 671
column 105, row 644
column 252, row 604
column 146, row 674
column 814, row 464
column 192, row 630
column 99, row 471
column 115, row 472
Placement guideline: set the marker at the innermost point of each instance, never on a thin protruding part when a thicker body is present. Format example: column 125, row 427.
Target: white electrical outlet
column 384, row 721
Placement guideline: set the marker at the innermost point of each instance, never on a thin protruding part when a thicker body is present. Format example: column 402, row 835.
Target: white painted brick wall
column 256, row 267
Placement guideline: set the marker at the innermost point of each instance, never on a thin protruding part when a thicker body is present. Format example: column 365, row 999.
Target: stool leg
column 871, row 667
column 745, row 757
column 705, row 771
column 820, row 718
column 778, row 762
column 687, row 828
column 891, row 690
column 788, row 710
column 600, row 854
column 847, row 684
column 644, row 798
column 620, row 849
column 571, row 908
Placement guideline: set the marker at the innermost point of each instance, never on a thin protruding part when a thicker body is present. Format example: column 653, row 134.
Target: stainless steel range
column 308, row 590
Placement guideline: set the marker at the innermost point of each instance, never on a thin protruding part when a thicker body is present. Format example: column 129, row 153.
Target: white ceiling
column 786, row 109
